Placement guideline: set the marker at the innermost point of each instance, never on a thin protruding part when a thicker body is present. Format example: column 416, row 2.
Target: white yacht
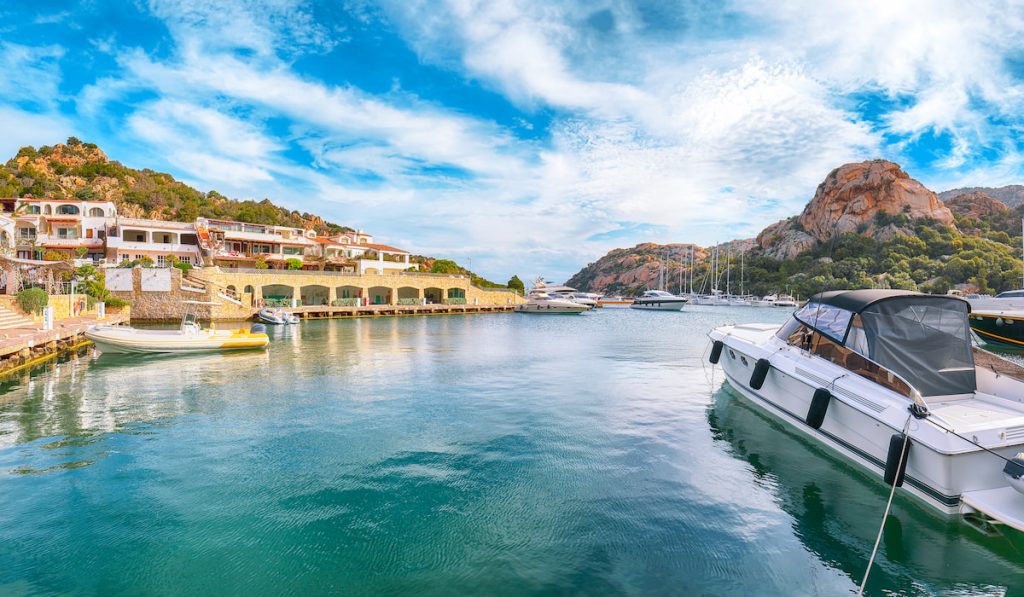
column 890, row 380
column 659, row 300
column 538, row 301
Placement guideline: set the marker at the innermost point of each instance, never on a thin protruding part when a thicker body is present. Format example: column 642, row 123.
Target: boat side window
column 857, row 339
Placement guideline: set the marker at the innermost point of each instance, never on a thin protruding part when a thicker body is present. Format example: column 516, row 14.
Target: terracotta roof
column 378, row 247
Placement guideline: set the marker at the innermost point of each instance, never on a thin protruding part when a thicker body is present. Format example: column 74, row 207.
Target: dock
column 328, row 312
column 27, row 344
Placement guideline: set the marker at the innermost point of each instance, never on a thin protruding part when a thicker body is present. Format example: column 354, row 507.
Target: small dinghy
column 189, row 337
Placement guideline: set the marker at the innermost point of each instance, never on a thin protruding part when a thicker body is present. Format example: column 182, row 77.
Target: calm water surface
column 489, row 454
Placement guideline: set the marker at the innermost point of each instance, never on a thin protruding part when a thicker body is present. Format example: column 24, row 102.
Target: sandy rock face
column 975, row 205
column 785, row 240
column 852, row 194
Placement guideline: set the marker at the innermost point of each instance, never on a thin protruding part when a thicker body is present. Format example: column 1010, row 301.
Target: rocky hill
column 975, row 204
column 850, row 200
column 1011, row 195
column 83, row 171
column 868, row 224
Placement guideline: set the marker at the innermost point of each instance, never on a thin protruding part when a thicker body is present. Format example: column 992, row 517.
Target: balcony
column 47, row 240
column 116, row 242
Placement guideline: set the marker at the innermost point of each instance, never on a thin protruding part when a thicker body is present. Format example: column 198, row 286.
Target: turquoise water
column 489, row 454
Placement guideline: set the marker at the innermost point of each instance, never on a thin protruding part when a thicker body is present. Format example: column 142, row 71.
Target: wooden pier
column 28, row 345
column 327, row 312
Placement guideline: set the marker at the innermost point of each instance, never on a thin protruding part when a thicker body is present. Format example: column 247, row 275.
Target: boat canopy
column 924, row 338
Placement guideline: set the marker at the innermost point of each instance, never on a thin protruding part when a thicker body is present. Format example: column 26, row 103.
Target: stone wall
column 163, row 305
column 385, row 288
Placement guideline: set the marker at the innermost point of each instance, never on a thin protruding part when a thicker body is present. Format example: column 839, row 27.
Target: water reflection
column 836, row 508
column 85, row 394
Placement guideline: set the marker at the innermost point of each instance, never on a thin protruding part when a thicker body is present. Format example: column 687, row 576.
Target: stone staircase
column 12, row 319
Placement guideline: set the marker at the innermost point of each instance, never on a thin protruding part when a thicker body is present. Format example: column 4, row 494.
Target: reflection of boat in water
column 275, row 316
column 836, row 511
column 890, row 380
column 189, row 337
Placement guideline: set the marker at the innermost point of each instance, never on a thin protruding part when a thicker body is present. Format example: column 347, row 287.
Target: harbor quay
column 159, row 294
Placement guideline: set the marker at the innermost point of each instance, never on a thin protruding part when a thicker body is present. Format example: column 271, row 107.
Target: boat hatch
column 1002, row 505
column 926, row 339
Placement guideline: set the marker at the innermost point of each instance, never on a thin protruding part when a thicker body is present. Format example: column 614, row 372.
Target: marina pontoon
column 891, row 380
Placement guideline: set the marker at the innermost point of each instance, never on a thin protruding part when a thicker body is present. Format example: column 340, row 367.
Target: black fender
column 899, row 450
column 760, row 372
column 716, row 351
column 819, row 406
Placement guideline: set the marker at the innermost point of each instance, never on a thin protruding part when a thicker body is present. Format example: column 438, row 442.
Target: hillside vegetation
column 82, row 171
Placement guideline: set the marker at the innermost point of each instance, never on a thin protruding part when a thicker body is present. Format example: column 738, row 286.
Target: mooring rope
column 888, row 505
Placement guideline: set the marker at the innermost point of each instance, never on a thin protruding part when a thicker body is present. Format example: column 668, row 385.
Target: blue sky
column 529, row 137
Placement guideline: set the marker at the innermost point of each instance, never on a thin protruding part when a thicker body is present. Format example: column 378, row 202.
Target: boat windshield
column 827, row 319
column 923, row 339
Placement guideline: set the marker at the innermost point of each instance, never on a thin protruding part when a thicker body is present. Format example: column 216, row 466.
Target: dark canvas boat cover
column 926, row 339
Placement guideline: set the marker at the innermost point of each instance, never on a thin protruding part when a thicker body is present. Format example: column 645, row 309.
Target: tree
column 445, row 266
column 294, row 263
column 516, row 284
column 261, row 263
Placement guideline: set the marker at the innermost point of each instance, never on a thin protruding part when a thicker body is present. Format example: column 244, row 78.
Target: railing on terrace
column 306, row 272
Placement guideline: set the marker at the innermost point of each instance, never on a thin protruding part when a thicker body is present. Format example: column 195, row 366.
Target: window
column 827, row 319
column 292, row 250
column 26, row 232
column 67, row 233
column 96, row 212
column 161, row 260
column 32, row 209
column 125, row 258
column 67, row 210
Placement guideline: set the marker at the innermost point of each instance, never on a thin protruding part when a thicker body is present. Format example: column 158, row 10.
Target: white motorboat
column 541, row 302
column 276, row 316
column 784, row 300
column 890, row 380
column 189, row 337
column 659, row 300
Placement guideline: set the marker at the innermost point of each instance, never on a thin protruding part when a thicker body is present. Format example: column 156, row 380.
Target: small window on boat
column 732, row 355
column 827, row 319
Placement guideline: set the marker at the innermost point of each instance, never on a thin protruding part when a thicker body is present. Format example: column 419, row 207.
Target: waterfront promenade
column 28, row 344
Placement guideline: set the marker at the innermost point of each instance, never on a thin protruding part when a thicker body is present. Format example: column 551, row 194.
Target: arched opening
column 380, row 295
column 48, row 210
column 314, row 294
column 67, row 210
column 231, row 288
column 434, row 296
column 348, row 296
column 408, row 295
column 249, row 289
column 96, row 212
column 277, row 295
column 456, row 296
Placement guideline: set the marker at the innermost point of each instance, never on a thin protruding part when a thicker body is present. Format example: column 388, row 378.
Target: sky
column 524, row 137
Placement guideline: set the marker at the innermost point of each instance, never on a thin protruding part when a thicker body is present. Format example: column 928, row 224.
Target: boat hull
column 130, row 340
column 659, row 305
column 552, row 309
column 1001, row 329
column 858, row 427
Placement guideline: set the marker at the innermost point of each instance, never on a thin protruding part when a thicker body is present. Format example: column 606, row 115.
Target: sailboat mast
column 742, row 273
column 728, row 271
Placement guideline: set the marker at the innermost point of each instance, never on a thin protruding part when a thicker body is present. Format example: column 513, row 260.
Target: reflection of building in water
column 836, row 511
column 86, row 396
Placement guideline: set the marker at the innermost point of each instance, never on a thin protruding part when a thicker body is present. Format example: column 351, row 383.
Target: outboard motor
column 258, row 328
column 1013, row 470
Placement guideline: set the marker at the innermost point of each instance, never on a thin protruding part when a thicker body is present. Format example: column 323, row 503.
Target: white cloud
column 30, row 74
column 22, row 128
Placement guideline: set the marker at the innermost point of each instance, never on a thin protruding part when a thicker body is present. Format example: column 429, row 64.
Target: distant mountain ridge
column 1012, row 195
column 868, row 224
column 81, row 170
